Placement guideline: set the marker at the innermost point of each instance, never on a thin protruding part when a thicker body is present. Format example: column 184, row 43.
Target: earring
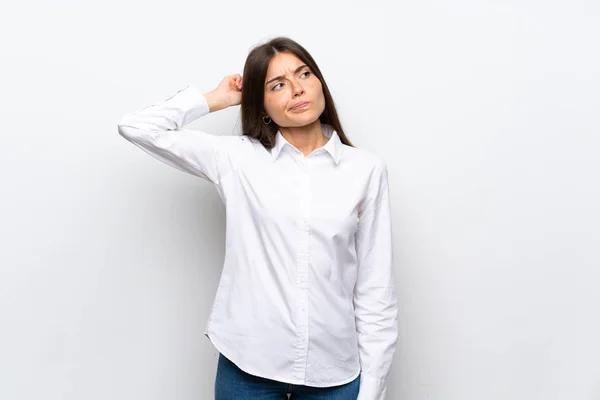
column 265, row 122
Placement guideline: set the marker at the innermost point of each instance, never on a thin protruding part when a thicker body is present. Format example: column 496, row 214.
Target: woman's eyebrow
column 281, row 76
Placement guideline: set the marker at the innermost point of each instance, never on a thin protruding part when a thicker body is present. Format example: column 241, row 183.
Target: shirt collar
column 334, row 145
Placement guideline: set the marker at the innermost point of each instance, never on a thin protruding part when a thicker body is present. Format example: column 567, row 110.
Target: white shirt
column 307, row 293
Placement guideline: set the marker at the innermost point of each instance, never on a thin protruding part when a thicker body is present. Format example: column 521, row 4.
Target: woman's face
column 289, row 83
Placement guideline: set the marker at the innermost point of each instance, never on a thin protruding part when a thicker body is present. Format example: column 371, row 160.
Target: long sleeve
column 158, row 130
column 375, row 298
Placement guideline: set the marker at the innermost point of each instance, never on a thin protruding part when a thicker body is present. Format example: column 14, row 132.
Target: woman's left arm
column 375, row 298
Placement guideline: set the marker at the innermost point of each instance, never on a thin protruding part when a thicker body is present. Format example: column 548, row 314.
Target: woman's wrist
column 215, row 101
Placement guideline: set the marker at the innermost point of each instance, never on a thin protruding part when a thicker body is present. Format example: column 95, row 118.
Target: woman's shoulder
column 237, row 142
column 365, row 157
column 236, row 148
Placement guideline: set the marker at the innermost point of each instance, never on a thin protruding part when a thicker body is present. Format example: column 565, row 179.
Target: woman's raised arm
column 158, row 130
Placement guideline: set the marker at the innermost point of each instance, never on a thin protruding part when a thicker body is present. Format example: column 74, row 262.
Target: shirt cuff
column 190, row 102
column 371, row 388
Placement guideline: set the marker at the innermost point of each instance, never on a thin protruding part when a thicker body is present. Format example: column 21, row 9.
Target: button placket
column 302, row 270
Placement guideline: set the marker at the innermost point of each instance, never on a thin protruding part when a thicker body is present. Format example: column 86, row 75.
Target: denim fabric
column 232, row 383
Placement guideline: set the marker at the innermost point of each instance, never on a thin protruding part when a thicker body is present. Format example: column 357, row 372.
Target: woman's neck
column 305, row 138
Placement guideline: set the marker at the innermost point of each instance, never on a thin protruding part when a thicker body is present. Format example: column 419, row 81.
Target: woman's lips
column 299, row 106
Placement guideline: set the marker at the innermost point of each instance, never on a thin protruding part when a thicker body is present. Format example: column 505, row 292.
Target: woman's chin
column 301, row 120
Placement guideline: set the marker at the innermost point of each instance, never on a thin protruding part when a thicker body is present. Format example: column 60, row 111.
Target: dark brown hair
column 253, row 95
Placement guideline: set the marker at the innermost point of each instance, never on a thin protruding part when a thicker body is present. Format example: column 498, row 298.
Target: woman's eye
column 275, row 87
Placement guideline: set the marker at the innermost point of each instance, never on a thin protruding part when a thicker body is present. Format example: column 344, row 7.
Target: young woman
column 306, row 304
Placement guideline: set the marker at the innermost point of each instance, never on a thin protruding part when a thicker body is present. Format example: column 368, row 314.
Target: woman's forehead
column 283, row 63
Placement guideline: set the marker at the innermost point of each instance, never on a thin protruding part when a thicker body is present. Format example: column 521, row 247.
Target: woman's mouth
column 300, row 105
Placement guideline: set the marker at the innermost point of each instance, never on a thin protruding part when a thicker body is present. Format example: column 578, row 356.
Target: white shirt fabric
column 307, row 293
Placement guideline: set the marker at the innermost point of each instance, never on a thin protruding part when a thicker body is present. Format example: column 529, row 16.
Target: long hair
column 253, row 96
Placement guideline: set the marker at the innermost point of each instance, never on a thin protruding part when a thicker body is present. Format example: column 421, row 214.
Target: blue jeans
column 232, row 383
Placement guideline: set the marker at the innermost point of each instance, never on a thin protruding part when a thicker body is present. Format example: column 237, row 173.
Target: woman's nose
column 297, row 89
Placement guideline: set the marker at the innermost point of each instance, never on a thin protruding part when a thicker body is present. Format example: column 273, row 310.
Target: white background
column 486, row 112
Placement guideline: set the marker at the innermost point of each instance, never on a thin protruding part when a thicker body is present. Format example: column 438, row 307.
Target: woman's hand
column 227, row 94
